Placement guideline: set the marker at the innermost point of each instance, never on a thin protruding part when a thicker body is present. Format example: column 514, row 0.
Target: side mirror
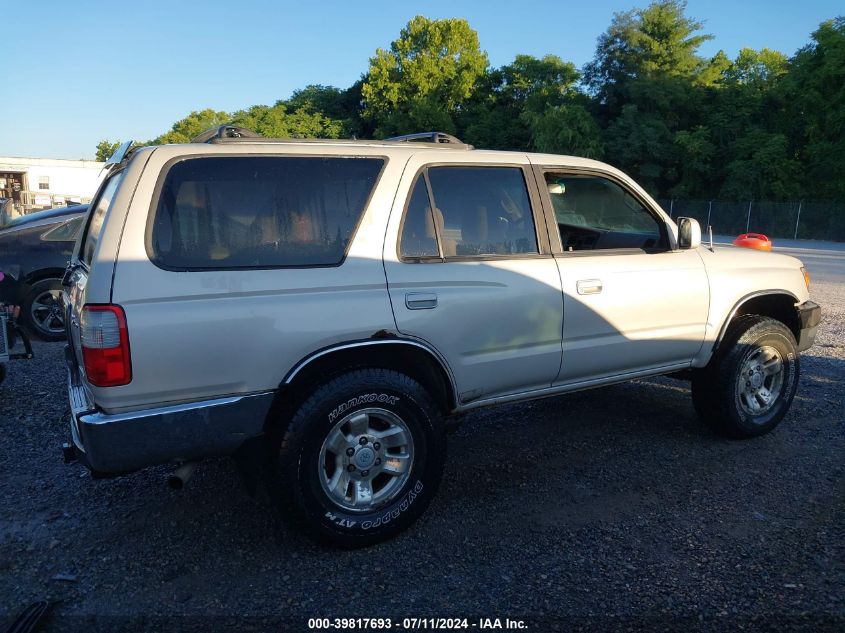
column 689, row 233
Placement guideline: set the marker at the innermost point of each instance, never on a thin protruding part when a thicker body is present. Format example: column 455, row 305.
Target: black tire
column 2, row 372
column 296, row 476
column 716, row 393
column 35, row 326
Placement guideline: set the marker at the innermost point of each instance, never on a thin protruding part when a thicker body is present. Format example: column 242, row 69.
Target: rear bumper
column 123, row 442
column 809, row 316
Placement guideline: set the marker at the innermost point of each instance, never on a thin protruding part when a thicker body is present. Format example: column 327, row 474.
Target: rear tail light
column 105, row 346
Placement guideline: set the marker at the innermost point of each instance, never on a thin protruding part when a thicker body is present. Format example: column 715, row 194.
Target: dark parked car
column 35, row 248
column 5, row 211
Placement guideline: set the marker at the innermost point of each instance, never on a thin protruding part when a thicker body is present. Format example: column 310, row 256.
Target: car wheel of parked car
column 42, row 311
column 748, row 386
column 361, row 458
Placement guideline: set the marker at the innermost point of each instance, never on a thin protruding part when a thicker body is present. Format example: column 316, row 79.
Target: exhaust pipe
column 180, row 476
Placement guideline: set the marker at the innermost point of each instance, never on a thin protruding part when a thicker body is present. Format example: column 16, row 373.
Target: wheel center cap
column 365, row 457
column 757, row 380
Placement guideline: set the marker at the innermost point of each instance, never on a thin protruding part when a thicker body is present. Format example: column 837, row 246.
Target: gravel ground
column 607, row 509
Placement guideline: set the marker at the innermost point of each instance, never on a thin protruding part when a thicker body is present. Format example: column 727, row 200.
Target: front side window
column 595, row 213
column 482, row 211
column 256, row 212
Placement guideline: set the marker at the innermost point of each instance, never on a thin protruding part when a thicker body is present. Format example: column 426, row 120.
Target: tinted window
column 240, row 212
column 485, row 211
column 96, row 216
column 64, row 232
column 596, row 213
column 418, row 234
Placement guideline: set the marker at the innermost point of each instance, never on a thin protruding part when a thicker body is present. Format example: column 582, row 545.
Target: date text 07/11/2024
column 413, row 624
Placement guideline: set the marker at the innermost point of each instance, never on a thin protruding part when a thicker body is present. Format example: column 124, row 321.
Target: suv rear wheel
column 749, row 385
column 361, row 458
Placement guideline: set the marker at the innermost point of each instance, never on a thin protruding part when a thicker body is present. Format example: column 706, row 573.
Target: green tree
column 334, row 103
column 695, row 152
column 566, row 129
column 757, row 69
column 532, row 104
column 185, row 129
column 277, row 122
column 425, row 78
column 761, row 168
column 814, row 99
column 742, row 114
column 649, row 85
column 639, row 142
column 105, row 149
column 657, row 41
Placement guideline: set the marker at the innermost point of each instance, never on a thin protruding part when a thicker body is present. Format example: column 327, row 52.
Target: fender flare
column 745, row 299
column 391, row 340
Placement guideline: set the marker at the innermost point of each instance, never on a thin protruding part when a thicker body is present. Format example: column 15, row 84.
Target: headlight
column 806, row 277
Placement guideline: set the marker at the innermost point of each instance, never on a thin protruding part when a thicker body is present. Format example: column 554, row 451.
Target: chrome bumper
column 123, row 442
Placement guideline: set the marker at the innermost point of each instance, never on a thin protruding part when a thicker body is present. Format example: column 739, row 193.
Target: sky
column 79, row 71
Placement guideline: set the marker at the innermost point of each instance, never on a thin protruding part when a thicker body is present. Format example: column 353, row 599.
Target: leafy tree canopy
column 277, row 122
column 425, row 77
column 105, row 149
column 641, row 43
column 186, row 129
column 760, row 126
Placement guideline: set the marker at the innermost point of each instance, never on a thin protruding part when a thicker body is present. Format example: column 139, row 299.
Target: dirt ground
column 607, row 509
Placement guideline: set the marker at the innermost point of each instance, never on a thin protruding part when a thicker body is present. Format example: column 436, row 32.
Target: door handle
column 420, row 300
column 589, row 286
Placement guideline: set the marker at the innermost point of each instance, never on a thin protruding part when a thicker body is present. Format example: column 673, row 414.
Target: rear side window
column 96, row 215
column 260, row 212
column 482, row 211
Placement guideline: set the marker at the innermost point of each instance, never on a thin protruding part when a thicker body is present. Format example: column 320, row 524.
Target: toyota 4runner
column 333, row 302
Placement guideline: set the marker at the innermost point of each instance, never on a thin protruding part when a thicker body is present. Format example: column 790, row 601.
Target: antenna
column 710, row 231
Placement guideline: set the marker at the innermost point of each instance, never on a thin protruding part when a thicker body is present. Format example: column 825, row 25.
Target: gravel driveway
column 607, row 509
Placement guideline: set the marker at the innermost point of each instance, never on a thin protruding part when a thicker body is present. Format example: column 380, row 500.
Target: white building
column 40, row 183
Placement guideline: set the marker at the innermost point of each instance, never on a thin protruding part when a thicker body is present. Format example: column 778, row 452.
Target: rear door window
column 260, row 212
column 482, row 211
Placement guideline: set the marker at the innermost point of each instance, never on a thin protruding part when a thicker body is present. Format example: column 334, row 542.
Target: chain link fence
column 786, row 220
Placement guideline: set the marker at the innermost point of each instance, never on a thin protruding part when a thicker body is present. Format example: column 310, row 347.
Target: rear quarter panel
column 197, row 335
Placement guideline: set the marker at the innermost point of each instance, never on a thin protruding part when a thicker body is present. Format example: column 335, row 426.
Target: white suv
column 333, row 302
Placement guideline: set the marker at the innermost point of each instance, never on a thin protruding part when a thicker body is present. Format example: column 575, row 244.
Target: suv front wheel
column 361, row 458
column 749, row 385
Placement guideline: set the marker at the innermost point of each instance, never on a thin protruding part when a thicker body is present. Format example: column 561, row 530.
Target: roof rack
column 235, row 134
column 429, row 137
column 222, row 132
